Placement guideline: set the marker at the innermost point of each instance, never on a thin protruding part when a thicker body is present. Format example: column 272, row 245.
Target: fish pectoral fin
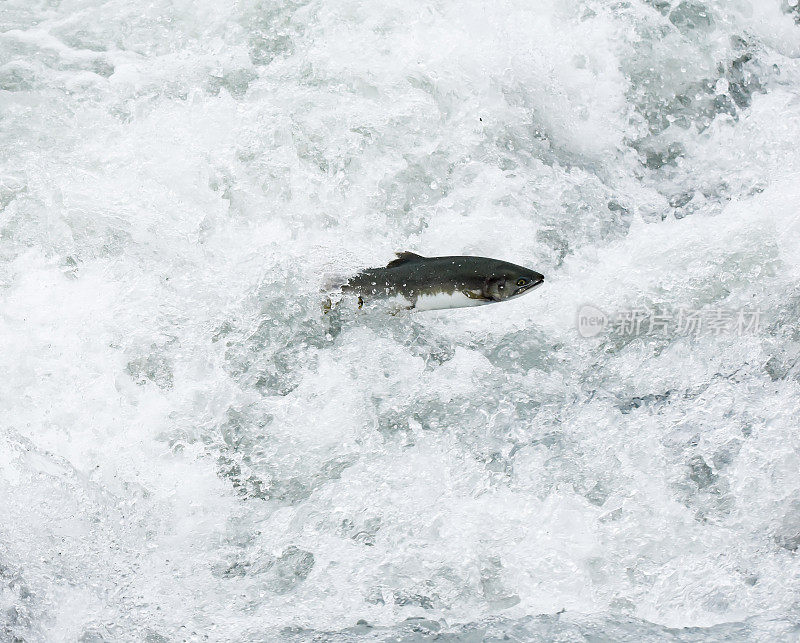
column 474, row 294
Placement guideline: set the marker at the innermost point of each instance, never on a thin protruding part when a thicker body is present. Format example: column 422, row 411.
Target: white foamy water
column 189, row 451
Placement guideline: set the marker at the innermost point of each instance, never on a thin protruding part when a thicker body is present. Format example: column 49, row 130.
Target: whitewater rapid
column 189, row 450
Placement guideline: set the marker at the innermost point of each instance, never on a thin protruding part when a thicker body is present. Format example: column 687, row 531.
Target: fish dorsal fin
column 403, row 258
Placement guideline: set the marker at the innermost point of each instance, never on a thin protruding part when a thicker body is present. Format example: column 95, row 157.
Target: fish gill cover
column 188, row 451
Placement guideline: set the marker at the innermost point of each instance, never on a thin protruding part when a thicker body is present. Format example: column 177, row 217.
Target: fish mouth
column 529, row 286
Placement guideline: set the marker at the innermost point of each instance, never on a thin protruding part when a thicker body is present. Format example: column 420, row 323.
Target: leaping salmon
column 414, row 282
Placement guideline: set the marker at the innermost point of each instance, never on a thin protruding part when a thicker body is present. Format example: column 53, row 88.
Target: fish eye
column 521, row 281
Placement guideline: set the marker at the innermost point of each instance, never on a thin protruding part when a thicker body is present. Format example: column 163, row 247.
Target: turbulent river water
column 190, row 450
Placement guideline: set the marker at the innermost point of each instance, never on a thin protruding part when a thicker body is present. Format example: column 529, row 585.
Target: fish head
column 509, row 281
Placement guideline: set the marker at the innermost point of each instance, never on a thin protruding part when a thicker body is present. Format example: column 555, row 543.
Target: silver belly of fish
column 442, row 300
